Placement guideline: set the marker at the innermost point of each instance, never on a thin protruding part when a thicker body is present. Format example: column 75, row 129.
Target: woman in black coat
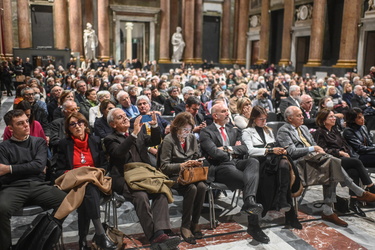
column 328, row 137
column 80, row 149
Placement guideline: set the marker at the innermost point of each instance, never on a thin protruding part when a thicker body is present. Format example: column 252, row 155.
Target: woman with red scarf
column 80, row 149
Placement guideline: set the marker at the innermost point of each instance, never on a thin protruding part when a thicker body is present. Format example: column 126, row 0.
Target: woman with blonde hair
column 244, row 109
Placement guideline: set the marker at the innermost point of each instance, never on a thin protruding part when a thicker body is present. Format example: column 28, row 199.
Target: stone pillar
column 264, row 32
column 24, row 34
column 287, row 37
column 89, row 12
column 7, row 28
column 225, row 34
column 188, row 31
column 129, row 29
column 103, row 29
column 349, row 34
column 198, row 31
column 243, row 26
column 75, row 26
column 60, row 16
column 317, row 33
column 165, row 37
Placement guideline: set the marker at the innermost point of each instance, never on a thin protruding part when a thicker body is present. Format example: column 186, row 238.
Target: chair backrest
column 271, row 117
column 275, row 126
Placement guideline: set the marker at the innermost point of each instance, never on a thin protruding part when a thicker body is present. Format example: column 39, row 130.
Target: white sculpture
column 90, row 42
column 178, row 45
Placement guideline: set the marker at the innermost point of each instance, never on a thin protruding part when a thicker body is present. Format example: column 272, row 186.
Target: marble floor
column 231, row 230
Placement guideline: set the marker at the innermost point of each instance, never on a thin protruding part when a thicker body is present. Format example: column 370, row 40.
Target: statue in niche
column 178, row 45
column 90, row 41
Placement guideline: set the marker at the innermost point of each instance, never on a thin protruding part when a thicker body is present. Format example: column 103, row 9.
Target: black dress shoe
column 256, row 232
column 104, row 242
column 354, row 206
column 251, row 207
column 292, row 220
column 188, row 236
column 82, row 242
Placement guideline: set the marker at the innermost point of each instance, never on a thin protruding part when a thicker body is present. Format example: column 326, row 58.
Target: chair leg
column 114, row 212
column 211, row 205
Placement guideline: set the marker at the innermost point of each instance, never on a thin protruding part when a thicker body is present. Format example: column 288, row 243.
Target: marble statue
column 178, row 45
column 371, row 5
column 90, row 41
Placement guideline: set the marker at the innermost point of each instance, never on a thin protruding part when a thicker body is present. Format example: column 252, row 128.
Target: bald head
column 220, row 114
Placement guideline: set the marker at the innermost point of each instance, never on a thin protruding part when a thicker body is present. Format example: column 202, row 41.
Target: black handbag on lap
column 42, row 234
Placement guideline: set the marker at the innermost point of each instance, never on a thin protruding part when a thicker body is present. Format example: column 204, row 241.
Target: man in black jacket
column 23, row 161
column 308, row 113
column 124, row 146
column 223, row 148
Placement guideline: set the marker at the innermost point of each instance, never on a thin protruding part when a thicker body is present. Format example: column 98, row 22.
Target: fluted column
column 189, row 31
column 7, row 28
column 225, row 33
column 198, row 29
column 60, row 16
column 103, row 29
column 349, row 34
column 243, row 26
column 129, row 30
column 165, row 36
column 24, row 34
column 75, row 26
column 317, row 33
column 89, row 11
column 264, row 32
column 287, row 37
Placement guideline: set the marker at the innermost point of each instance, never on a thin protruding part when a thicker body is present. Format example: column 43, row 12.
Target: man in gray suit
column 223, row 147
column 294, row 99
column 300, row 143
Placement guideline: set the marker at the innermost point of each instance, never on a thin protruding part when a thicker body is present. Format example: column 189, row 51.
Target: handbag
column 20, row 78
column 43, row 233
column 191, row 172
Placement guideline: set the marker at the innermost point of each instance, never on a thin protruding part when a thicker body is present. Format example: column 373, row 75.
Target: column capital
column 129, row 25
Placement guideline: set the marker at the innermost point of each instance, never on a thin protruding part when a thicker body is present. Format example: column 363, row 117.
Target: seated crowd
column 132, row 122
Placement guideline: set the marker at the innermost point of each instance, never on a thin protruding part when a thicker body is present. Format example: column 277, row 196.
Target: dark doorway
column 332, row 32
column 369, row 52
column 42, row 26
column 254, row 52
column 211, row 38
column 302, row 52
column 276, row 36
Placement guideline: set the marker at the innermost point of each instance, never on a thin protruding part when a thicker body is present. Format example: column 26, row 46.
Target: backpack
column 42, row 234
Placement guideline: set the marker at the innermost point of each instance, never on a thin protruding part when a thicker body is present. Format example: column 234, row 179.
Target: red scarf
column 82, row 153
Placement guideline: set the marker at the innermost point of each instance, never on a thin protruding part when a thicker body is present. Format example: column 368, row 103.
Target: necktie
column 126, row 134
column 308, row 114
column 303, row 138
column 223, row 134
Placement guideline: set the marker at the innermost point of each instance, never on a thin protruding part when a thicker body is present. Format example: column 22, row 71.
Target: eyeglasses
column 29, row 94
column 187, row 130
column 74, row 124
column 74, row 109
column 121, row 117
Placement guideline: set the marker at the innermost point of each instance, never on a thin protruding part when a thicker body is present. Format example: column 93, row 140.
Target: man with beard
column 227, row 154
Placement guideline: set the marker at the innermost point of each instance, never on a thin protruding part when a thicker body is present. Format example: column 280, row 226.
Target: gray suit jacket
column 285, row 103
column 287, row 136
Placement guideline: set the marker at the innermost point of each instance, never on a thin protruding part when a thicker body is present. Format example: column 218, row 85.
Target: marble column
column 24, row 33
column 198, row 30
column 189, row 31
column 89, row 12
column 317, row 33
column 287, row 37
column 60, row 16
column 165, row 35
column 75, row 27
column 103, row 29
column 225, row 34
column 243, row 26
column 129, row 49
column 264, row 32
column 7, row 28
column 349, row 34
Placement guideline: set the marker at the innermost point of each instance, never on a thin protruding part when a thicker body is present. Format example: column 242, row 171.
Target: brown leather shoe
column 367, row 197
column 334, row 219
